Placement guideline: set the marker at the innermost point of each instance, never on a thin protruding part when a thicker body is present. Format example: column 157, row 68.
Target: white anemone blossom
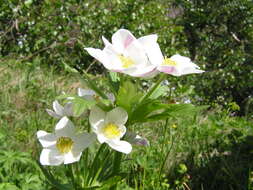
column 125, row 54
column 176, row 65
column 60, row 111
column 92, row 95
column 64, row 145
column 110, row 127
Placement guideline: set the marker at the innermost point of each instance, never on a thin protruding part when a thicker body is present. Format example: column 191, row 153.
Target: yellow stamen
column 111, row 131
column 64, row 144
column 126, row 61
column 169, row 62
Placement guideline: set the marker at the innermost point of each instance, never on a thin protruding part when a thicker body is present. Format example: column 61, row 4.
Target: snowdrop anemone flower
column 125, row 54
column 176, row 65
column 110, row 128
column 63, row 146
column 91, row 95
column 60, row 111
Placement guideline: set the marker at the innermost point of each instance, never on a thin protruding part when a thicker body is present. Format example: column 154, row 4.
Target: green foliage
column 219, row 38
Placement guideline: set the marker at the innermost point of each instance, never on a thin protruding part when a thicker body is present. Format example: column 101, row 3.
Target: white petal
column 100, row 55
column 84, row 92
column 122, row 39
column 137, row 53
column 68, row 109
column 53, row 114
column 51, row 157
column 46, row 139
column 58, row 108
column 70, row 157
column 82, row 141
column 118, row 116
column 64, row 128
column 96, row 116
column 101, row 138
column 152, row 49
column 120, row 146
column 106, row 42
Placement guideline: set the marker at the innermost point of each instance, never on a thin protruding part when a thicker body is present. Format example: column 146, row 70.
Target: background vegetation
column 212, row 150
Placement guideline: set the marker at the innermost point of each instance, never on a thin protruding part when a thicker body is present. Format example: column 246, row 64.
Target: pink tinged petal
column 122, row 39
column 117, row 116
column 120, row 146
column 51, row 157
column 111, row 97
column 53, row 114
column 70, row 157
column 82, row 141
column 64, row 128
column 58, row 108
column 136, row 52
column 135, row 139
column 96, row 117
column 147, row 74
column 152, row 49
column 167, row 69
column 46, row 139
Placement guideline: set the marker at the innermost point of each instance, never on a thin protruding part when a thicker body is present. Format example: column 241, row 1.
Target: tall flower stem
column 116, row 166
column 154, row 87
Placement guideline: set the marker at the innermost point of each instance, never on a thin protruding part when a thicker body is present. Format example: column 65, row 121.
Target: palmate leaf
column 128, row 97
column 153, row 110
column 80, row 105
column 176, row 110
column 144, row 109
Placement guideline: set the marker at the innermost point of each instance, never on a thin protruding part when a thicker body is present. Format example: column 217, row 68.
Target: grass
column 204, row 151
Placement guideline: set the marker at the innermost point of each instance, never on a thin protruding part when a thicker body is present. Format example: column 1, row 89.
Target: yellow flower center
column 64, row 144
column 169, row 62
column 111, row 131
column 126, row 61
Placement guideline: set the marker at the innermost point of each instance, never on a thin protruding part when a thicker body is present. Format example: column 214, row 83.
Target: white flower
column 63, row 146
column 176, row 65
column 60, row 111
column 110, row 128
column 125, row 54
column 92, row 95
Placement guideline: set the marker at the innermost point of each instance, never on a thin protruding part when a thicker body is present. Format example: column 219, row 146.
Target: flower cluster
column 140, row 57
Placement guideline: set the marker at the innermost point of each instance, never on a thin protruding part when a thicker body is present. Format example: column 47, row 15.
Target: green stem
column 116, row 166
column 154, row 87
column 117, row 162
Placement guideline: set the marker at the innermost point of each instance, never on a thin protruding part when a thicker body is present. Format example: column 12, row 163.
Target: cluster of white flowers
column 136, row 57
column 66, row 146
column 140, row 57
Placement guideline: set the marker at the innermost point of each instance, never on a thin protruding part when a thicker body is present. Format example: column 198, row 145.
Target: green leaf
column 128, row 97
column 146, row 108
column 160, row 91
column 81, row 104
column 176, row 110
column 114, row 81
